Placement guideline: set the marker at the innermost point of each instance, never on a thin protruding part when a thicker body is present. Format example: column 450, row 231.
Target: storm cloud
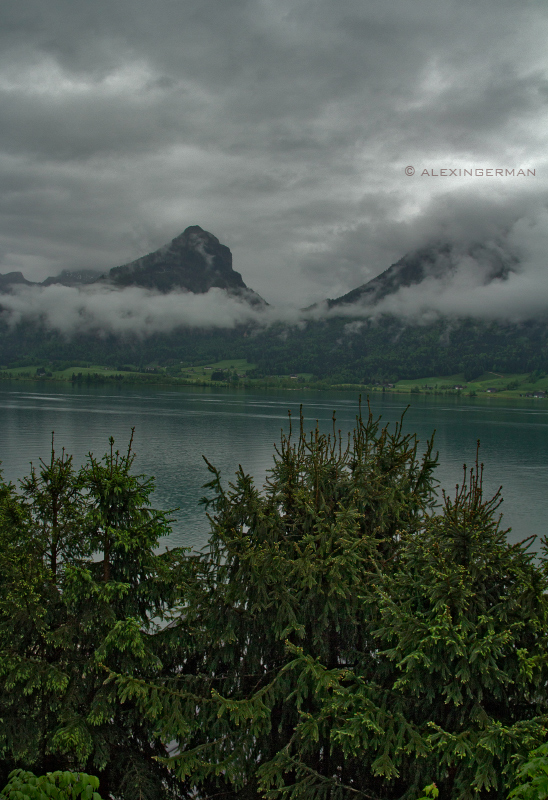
column 282, row 126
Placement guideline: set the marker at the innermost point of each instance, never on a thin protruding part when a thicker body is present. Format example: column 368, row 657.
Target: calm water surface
column 174, row 428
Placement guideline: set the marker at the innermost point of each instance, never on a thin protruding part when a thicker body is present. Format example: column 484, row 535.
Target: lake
column 174, row 427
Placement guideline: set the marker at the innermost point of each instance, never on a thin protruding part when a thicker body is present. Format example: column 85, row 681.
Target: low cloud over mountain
column 190, row 282
column 134, row 310
column 284, row 127
column 488, row 266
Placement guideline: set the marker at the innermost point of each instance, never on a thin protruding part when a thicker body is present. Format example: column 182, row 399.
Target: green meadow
column 240, row 371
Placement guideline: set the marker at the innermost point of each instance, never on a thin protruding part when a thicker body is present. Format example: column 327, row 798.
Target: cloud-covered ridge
column 485, row 271
column 135, row 311
column 285, row 127
column 500, row 273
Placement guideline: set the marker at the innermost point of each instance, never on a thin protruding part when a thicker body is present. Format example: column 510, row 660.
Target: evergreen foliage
column 337, row 349
column 342, row 637
column 55, row 507
column 63, row 614
column 533, row 776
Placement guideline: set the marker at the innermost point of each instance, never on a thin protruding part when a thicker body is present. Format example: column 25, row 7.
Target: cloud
column 132, row 311
column 463, row 285
column 281, row 126
column 481, row 236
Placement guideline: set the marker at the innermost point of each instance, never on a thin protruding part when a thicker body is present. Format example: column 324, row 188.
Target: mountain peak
column 12, row 279
column 194, row 261
column 437, row 261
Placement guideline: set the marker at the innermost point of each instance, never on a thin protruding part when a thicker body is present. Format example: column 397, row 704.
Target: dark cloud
column 282, row 126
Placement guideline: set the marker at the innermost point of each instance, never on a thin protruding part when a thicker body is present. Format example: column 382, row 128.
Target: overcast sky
column 282, row 126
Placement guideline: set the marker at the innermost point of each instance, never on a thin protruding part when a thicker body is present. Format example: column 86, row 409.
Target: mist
column 283, row 128
column 460, row 285
column 131, row 311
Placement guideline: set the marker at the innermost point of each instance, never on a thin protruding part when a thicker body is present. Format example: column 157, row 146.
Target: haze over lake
column 175, row 427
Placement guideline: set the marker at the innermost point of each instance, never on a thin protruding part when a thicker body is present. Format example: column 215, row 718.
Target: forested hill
column 337, row 340
column 336, row 349
column 391, row 349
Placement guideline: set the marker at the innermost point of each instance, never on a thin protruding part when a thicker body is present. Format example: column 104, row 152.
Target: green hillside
column 337, row 350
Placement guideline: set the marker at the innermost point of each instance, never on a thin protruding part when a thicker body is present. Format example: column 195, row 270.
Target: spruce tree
column 56, row 508
column 78, row 578
column 343, row 638
column 285, row 565
column 456, row 691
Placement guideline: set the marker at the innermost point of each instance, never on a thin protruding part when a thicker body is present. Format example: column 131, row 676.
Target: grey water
column 175, row 427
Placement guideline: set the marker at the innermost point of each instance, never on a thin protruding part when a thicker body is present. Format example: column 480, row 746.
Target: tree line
column 347, row 633
column 337, row 349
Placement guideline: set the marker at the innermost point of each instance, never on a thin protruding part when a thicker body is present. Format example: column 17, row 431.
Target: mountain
column 438, row 261
column 338, row 348
column 194, row 261
column 67, row 277
column 13, row 279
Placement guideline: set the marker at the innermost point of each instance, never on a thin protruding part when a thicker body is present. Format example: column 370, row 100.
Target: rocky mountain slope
column 195, row 261
column 80, row 277
column 438, row 261
column 11, row 279
column 343, row 348
column 66, row 278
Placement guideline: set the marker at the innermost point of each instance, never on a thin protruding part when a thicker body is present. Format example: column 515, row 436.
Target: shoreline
column 273, row 383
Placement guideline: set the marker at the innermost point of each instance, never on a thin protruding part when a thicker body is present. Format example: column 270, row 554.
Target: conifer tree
column 344, row 639
column 56, row 508
column 285, row 564
column 456, row 691
column 64, row 617
column 341, row 637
